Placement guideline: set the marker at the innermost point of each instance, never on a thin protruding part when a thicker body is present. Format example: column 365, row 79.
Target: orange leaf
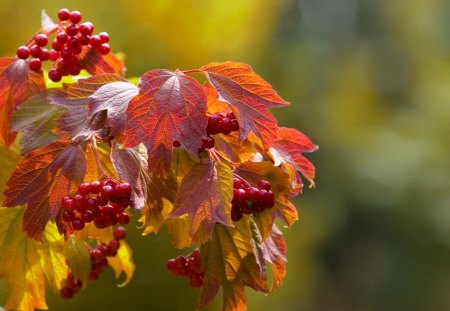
column 238, row 85
column 41, row 180
column 97, row 64
column 170, row 106
column 17, row 83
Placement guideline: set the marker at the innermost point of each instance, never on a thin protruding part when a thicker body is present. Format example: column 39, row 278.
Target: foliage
column 152, row 136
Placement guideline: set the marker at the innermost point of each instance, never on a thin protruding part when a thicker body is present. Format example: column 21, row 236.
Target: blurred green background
column 369, row 82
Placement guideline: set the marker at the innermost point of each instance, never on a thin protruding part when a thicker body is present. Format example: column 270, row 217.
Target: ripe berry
column 56, row 45
column 41, row 39
column 23, row 52
column 120, row 233
column 64, row 14
column 95, row 41
column 176, row 144
column 123, row 218
column 104, row 49
column 236, row 213
column 35, row 64
column 225, row 125
column 55, row 75
column 104, row 37
column 84, row 188
column 122, row 190
column 208, row 143
column 264, row 184
column 77, row 223
column 75, row 17
column 107, row 191
column 35, row 51
column 53, row 55
column 68, row 216
column 66, row 293
column 234, row 125
column 237, row 183
column 72, row 30
column 45, row 55
column 86, row 29
column 95, row 187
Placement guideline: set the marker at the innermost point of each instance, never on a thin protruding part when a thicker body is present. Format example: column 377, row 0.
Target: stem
column 97, row 158
column 192, row 71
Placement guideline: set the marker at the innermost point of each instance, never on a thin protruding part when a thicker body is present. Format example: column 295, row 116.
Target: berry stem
column 30, row 42
column 97, row 158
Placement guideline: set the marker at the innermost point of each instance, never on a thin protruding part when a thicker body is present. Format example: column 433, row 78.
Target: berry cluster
column 189, row 265
column 247, row 199
column 218, row 123
column 101, row 202
column 99, row 262
column 71, row 39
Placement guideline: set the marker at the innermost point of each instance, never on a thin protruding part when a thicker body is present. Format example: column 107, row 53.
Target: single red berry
column 107, row 191
column 239, row 194
column 45, row 55
column 23, row 52
column 68, row 216
column 86, row 29
column 64, row 14
column 72, row 30
column 66, row 292
column 230, row 115
column 96, row 255
column 237, row 184
column 104, row 49
column 56, row 45
column 234, row 125
column 95, row 41
column 261, row 195
column 95, row 187
column 75, row 17
column 113, row 246
column 251, row 193
column 270, row 196
column 41, row 39
column 35, row 64
column 104, row 37
column 61, row 65
column 66, row 53
column 225, row 125
column 84, row 40
column 236, row 213
column 122, row 190
column 208, row 143
column 73, row 43
column 213, row 124
column 258, row 206
column 264, row 184
column 84, row 188
column 123, row 218
column 35, row 51
column 87, row 216
column 120, row 233
column 196, row 281
column 55, row 75
column 196, row 255
column 62, row 37
column 77, row 223
column 171, row 264
column 176, row 144
column 53, row 55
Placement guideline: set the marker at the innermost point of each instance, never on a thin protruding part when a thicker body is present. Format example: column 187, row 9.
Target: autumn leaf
column 17, row 83
column 77, row 122
column 288, row 148
column 78, row 257
column 131, row 166
column 170, row 106
column 229, row 262
column 9, row 158
column 97, row 64
column 238, row 85
column 205, row 195
column 36, row 119
column 27, row 265
column 114, row 98
column 41, row 179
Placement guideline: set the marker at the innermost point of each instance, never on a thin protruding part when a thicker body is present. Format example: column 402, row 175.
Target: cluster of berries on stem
column 190, row 266
column 248, row 199
column 71, row 40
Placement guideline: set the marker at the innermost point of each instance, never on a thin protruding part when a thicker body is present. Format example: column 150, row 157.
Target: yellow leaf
column 123, row 263
column 26, row 264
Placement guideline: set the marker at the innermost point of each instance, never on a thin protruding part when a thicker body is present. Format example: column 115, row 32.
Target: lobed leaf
column 17, row 83
column 41, row 179
column 170, row 106
column 238, row 85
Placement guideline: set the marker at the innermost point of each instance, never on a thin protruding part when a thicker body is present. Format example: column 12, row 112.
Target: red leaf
column 75, row 97
column 41, row 180
column 242, row 88
column 17, row 83
column 170, row 106
column 96, row 63
column 288, row 148
column 205, row 194
column 114, row 97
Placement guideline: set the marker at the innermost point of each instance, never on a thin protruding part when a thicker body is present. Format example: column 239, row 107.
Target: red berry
column 239, row 194
column 104, row 49
column 35, row 51
column 56, row 45
column 196, row 280
column 96, row 255
column 64, row 14
column 122, row 190
column 23, row 52
column 270, row 196
column 87, row 216
column 96, row 187
column 84, row 40
column 107, row 191
column 259, row 206
column 53, row 55
column 225, row 125
column 120, row 233
column 75, row 17
column 171, row 264
column 84, row 188
column 93, row 275
column 35, row 64
column 73, row 43
column 213, row 124
column 86, row 29
column 55, row 75
column 62, row 38
column 123, row 218
column 95, row 41
column 66, row 292
column 251, row 193
column 68, row 216
column 66, row 53
column 41, row 39
column 72, row 30
column 208, row 143
column 245, row 209
column 104, row 37
column 230, row 115
column 77, row 223
column 45, row 55
column 113, row 247
column 236, row 213
column 264, row 184
column 237, row 183
column 261, row 195
column 176, row 144
column 234, row 125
